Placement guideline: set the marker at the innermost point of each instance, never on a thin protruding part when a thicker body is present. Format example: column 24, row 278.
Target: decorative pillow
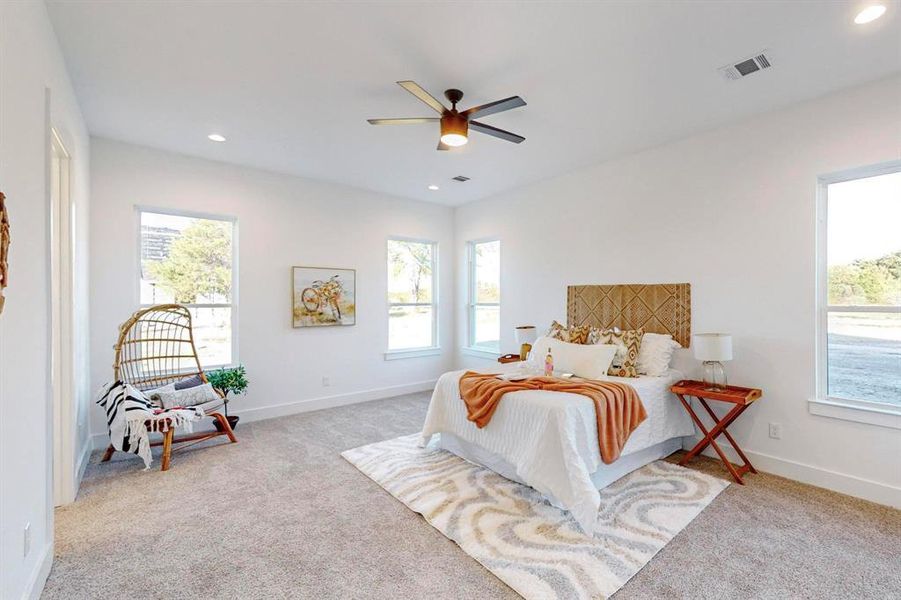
column 656, row 353
column 154, row 394
column 187, row 397
column 189, row 382
column 574, row 335
column 582, row 360
column 628, row 345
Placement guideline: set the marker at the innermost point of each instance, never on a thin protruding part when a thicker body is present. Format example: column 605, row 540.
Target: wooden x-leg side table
column 741, row 397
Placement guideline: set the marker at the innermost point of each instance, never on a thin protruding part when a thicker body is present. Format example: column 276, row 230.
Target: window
column 190, row 260
column 860, row 291
column 485, row 295
column 412, row 295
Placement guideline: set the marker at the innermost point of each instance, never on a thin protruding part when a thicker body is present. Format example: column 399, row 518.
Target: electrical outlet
column 26, row 540
column 776, row 431
column 326, row 382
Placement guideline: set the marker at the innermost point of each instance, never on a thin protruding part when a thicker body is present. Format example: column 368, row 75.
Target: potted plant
column 226, row 381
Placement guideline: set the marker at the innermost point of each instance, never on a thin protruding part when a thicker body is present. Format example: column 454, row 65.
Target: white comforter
column 551, row 438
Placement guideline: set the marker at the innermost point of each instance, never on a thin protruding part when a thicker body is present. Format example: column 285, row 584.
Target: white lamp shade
column 712, row 346
column 526, row 334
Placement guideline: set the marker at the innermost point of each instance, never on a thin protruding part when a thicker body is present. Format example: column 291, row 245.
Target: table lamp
column 525, row 337
column 712, row 348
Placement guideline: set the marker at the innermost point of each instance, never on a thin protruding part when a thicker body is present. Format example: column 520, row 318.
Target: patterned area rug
column 535, row 548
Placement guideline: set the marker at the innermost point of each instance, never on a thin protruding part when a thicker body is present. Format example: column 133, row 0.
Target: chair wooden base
column 169, row 439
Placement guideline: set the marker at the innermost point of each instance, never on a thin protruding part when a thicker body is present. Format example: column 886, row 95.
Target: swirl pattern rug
column 532, row 546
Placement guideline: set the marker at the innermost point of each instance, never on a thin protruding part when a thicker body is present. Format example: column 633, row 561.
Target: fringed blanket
column 617, row 406
column 131, row 416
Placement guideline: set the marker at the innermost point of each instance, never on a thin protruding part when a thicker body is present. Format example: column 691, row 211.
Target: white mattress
column 550, row 439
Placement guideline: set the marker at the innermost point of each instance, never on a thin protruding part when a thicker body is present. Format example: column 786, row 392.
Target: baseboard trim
column 38, row 578
column 851, row 485
column 83, row 460
column 99, row 441
column 311, row 404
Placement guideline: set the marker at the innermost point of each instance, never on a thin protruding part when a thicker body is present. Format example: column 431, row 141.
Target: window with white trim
column 190, row 260
column 412, row 295
column 860, row 320
column 485, row 295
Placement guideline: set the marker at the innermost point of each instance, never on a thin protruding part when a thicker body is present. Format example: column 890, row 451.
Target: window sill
column 871, row 413
column 417, row 353
column 480, row 353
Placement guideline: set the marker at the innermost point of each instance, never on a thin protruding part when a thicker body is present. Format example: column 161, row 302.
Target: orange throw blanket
column 617, row 406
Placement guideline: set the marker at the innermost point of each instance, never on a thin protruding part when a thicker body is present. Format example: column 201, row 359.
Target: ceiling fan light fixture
column 869, row 14
column 454, row 130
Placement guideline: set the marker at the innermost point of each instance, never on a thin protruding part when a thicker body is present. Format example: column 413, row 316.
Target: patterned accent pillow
column 625, row 363
column 574, row 335
column 188, row 397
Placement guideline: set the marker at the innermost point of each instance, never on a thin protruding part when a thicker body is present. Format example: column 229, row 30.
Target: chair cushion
column 211, row 406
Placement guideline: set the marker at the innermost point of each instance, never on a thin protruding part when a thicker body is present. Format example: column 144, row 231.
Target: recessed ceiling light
column 433, row 187
column 870, row 13
column 216, row 137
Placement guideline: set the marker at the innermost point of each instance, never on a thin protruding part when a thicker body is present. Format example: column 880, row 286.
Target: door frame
column 62, row 318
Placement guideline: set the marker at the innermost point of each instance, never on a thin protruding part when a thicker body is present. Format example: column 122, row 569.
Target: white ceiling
column 292, row 84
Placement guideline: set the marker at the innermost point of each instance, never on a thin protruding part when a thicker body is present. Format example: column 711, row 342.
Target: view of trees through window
column 485, row 287
column 864, row 289
column 412, row 306
column 188, row 260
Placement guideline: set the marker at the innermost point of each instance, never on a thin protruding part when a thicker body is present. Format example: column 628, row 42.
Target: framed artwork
column 323, row 297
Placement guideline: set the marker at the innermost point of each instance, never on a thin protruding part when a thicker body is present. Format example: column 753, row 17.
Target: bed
column 548, row 440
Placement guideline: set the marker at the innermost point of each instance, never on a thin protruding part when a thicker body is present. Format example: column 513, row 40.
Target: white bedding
column 550, row 438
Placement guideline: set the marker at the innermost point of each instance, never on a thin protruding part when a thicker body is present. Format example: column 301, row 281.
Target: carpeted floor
column 282, row 515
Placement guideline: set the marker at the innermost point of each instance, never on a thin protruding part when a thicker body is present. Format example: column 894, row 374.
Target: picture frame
column 323, row 297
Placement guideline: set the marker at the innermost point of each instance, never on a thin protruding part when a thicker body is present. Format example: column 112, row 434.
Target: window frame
column 472, row 303
column 435, row 348
column 861, row 411
column 175, row 212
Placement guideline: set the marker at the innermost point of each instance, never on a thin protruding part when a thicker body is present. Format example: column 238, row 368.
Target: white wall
column 31, row 69
column 282, row 221
column 731, row 211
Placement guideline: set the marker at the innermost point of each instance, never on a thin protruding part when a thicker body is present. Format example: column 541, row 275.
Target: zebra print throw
column 131, row 416
column 532, row 546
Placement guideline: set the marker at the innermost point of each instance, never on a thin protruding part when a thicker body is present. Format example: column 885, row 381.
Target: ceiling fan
column 455, row 125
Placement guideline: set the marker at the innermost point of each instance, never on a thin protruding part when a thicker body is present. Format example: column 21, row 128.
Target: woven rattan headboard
column 658, row 308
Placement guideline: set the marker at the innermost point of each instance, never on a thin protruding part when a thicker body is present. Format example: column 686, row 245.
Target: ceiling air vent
column 745, row 67
column 460, row 178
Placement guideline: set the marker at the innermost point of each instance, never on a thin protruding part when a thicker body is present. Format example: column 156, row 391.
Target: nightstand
column 740, row 397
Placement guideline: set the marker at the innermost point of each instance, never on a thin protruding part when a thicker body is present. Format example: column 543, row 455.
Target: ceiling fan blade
column 443, row 146
column 494, row 131
column 411, row 121
column 415, row 89
column 491, row 108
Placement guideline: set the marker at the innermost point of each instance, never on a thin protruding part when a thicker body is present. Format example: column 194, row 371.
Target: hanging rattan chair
column 156, row 347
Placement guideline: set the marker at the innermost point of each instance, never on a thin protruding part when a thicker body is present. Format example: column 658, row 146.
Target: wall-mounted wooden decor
column 4, row 248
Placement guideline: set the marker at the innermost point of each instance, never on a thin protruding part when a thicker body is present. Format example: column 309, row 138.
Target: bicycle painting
column 323, row 297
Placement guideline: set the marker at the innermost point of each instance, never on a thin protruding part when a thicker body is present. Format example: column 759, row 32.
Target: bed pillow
column 628, row 345
column 574, row 335
column 656, row 353
column 187, row 397
column 582, row 360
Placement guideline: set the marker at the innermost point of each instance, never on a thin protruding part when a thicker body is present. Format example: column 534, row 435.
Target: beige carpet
column 538, row 549
column 282, row 515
